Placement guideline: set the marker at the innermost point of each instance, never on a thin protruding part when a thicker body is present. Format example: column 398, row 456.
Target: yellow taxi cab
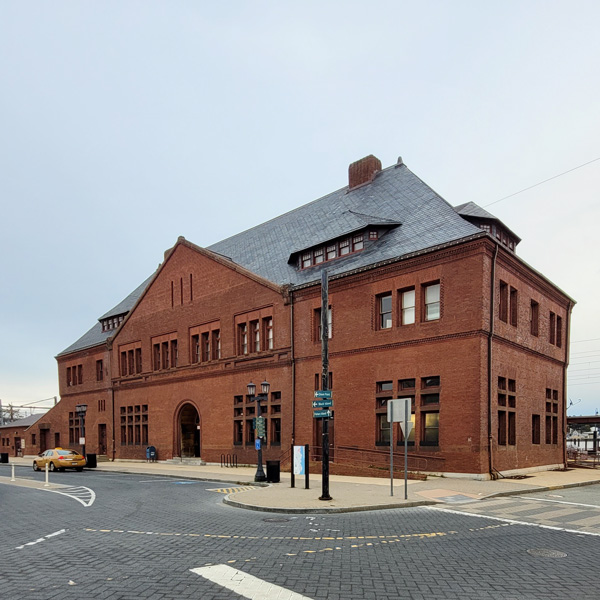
column 59, row 459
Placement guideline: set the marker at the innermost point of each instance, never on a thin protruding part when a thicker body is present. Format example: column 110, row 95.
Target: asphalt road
column 132, row 537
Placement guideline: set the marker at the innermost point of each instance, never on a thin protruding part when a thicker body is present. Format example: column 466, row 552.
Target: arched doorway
column 189, row 428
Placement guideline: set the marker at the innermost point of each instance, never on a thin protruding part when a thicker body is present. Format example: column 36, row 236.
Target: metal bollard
column 46, row 484
column 12, row 476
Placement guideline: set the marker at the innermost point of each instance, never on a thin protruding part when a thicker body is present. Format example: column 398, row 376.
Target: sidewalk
column 348, row 493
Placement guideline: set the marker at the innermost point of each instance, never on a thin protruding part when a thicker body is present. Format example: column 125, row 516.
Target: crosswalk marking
column 232, row 490
column 246, row 585
column 82, row 494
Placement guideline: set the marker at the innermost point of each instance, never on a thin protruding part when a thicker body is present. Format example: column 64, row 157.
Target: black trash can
column 92, row 463
column 3, row 457
column 273, row 471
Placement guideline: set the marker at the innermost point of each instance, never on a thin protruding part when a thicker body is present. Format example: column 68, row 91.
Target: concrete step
column 102, row 458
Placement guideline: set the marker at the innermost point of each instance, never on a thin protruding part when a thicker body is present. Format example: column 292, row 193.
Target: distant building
column 20, row 437
column 426, row 301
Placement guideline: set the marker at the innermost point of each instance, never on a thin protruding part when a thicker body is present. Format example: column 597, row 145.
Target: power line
column 541, row 182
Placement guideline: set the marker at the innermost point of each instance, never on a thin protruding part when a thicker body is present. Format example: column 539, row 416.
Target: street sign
column 395, row 409
column 257, row 444
column 261, row 428
column 406, row 427
column 322, row 403
column 323, row 394
column 320, row 414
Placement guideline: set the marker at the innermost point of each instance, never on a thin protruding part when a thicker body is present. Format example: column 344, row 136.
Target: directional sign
column 322, row 403
column 323, row 394
column 320, row 414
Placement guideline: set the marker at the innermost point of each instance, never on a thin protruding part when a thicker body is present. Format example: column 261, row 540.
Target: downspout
column 564, row 390
column 293, row 358
column 489, row 361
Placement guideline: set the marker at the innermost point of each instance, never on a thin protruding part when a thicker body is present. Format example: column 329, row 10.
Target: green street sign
column 323, row 394
column 321, row 414
column 322, row 403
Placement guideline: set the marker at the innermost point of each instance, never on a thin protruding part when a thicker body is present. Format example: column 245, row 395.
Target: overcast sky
column 126, row 124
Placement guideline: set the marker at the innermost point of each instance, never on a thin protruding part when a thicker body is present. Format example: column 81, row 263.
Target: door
column 43, row 440
column 18, row 446
column 190, row 432
column 102, row 450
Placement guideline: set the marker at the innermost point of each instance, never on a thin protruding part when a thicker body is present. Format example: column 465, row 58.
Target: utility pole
column 325, row 381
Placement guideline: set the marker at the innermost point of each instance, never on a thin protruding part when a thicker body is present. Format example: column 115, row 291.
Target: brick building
column 426, row 301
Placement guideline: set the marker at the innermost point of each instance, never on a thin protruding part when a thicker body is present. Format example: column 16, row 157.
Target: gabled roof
column 472, row 211
column 95, row 336
column 25, row 422
column 418, row 218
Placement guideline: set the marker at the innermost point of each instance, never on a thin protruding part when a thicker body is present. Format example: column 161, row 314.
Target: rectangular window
column 373, row 235
column 429, row 382
column 275, row 432
column 156, row 357
column 216, row 343
column 238, row 433
column 534, row 318
column 99, row 370
column 358, row 242
column 69, row 378
column 383, row 429
column 196, row 348
column 503, row 306
column 319, row 256
column 430, row 435
column 331, row 252
column 548, row 429
column 406, row 384
column 205, row 346
column 344, row 247
column 255, row 330
column 514, row 306
column 408, row 306
column 430, row 398
column 165, row 355
column 249, row 432
column 552, row 328
column 268, row 333
column 558, row 331
column 174, row 353
column 512, row 428
column 130, row 362
column 502, row 428
column 384, row 386
column 306, row 259
column 555, row 430
column 243, row 339
column 432, row 301
column 79, row 374
column 384, row 308
column 123, row 364
column 138, row 360
column 535, row 429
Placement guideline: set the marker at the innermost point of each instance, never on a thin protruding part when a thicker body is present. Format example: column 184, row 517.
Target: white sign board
column 299, row 460
column 81, row 441
column 406, row 427
column 396, row 410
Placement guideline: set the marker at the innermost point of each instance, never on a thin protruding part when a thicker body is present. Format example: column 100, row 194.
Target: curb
column 324, row 510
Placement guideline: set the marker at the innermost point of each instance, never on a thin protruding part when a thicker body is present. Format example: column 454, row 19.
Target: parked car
column 59, row 459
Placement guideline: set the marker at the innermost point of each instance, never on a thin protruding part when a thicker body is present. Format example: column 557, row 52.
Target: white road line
column 246, row 585
column 42, row 539
column 558, row 502
column 513, row 522
column 88, row 499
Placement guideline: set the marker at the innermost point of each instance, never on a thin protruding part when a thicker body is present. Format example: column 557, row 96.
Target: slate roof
column 396, row 195
column 419, row 219
column 470, row 210
column 95, row 335
column 25, row 422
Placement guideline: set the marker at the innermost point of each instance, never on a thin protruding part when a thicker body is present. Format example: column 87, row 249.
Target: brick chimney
column 363, row 171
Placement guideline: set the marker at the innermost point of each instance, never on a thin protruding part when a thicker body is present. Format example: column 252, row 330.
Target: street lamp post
column 81, row 409
column 265, row 386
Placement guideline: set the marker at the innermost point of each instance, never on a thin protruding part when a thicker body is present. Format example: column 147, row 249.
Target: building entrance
column 189, row 423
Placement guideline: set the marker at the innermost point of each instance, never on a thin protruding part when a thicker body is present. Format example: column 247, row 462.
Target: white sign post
column 399, row 412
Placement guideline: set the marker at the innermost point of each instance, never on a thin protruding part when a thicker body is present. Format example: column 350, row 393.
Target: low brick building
column 20, row 437
column 426, row 301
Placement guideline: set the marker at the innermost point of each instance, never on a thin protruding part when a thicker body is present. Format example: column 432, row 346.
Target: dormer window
column 112, row 323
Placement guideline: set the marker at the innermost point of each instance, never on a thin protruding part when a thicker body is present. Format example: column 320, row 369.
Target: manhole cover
column 276, row 520
column 545, row 553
